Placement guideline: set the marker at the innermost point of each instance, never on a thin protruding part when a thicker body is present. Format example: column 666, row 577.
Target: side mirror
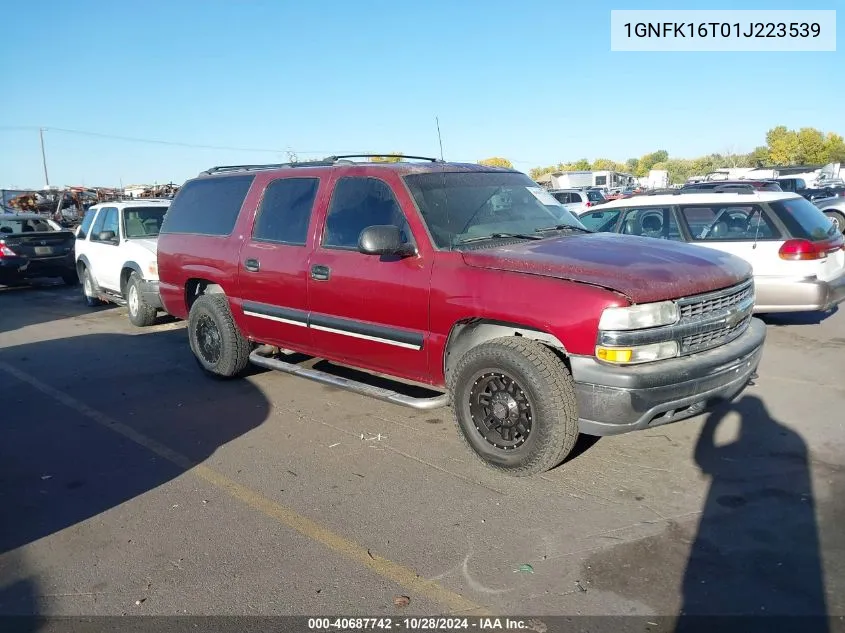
column 107, row 236
column 383, row 239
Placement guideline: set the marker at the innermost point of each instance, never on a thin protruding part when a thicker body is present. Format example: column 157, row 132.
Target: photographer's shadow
column 757, row 547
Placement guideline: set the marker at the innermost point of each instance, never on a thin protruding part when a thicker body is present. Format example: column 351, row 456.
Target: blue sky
column 533, row 81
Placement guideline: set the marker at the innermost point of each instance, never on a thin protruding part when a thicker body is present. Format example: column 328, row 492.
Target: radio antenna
column 439, row 139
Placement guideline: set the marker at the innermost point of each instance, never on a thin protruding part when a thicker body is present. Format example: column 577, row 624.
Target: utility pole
column 44, row 157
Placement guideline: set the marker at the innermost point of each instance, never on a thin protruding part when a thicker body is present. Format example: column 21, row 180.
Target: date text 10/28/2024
column 424, row 624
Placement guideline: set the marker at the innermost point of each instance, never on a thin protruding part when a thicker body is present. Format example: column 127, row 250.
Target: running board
column 425, row 404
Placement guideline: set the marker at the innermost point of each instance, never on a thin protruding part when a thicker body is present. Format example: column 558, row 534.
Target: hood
column 644, row 269
column 147, row 243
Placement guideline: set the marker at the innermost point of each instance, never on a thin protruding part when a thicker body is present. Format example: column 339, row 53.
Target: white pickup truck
column 116, row 256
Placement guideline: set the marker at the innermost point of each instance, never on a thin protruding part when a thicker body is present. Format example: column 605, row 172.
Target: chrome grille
column 709, row 303
column 707, row 340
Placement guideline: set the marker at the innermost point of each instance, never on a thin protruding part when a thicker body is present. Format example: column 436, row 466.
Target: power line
column 135, row 139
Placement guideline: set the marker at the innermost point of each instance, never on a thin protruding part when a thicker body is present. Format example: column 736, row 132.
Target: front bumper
column 150, row 293
column 618, row 399
column 802, row 294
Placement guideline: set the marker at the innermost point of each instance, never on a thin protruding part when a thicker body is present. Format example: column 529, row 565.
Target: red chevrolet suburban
column 468, row 279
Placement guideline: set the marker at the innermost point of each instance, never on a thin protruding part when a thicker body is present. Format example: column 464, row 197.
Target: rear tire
column 218, row 345
column 838, row 219
column 141, row 313
column 514, row 405
column 91, row 300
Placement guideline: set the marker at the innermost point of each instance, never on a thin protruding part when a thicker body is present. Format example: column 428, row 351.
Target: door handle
column 252, row 265
column 320, row 273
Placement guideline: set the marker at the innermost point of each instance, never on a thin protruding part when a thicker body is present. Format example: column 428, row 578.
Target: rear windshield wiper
column 492, row 236
column 562, row 227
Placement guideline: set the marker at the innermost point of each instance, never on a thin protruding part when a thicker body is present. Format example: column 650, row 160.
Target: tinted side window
column 87, row 221
column 207, row 206
column 286, row 211
column 563, row 198
column 724, row 223
column 658, row 222
column 600, row 221
column 98, row 224
column 358, row 203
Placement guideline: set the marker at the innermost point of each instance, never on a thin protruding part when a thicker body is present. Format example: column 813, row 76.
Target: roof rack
column 428, row 158
column 734, row 189
column 233, row 168
column 662, row 192
column 327, row 162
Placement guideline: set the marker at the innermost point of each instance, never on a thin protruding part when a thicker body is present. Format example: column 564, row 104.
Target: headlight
column 152, row 268
column 639, row 317
column 637, row 354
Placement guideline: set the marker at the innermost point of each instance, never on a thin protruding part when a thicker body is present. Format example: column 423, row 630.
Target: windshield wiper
column 562, row 227
column 481, row 238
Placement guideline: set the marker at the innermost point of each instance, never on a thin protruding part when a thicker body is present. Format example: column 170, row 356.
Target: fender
column 465, row 335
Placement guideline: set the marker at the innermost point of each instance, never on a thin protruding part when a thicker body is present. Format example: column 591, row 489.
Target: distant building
column 604, row 179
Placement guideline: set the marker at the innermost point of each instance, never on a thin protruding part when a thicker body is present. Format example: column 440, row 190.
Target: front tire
column 141, row 313
column 91, row 300
column 514, row 404
column 217, row 343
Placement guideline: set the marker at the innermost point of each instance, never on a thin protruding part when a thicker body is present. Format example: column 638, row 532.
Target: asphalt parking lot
column 131, row 483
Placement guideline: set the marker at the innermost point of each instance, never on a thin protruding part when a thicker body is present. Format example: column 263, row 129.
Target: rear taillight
column 5, row 251
column 798, row 250
column 588, row 204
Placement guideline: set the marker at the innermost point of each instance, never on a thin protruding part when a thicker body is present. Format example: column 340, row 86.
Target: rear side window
column 729, row 222
column 563, row 198
column 207, row 206
column 286, row 211
column 595, row 196
column 803, row 219
column 86, row 224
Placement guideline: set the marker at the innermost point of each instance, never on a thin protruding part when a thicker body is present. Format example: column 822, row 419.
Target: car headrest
column 720, row 229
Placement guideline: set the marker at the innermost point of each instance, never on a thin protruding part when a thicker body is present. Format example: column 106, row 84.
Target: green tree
column 811, row 149
column 388, row 159
column 834, row 148
column 581, row 165
column 783, row 145
column 759, row 156
column 496, row 161
column 600, row 164
column 536, row 172
column 631, row 165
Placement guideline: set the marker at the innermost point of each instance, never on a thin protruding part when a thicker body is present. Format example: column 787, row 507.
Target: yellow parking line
column 288, row 517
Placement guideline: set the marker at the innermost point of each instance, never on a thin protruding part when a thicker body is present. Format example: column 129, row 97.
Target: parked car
column 577, row 200
column 32, row 246
column 469, row 279
column 821, row 193
column 116, row 256
column 834, row 208
column 797, row 254
column 711, row 185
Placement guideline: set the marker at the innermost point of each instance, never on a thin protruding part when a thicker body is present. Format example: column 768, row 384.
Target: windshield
column 804, row 219
column 458, row 206
column 143, row 221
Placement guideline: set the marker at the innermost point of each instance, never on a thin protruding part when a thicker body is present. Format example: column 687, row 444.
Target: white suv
column 116, row 256
column 578, row 200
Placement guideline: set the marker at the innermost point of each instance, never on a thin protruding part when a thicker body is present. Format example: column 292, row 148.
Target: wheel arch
column 197, row 286
column 82, row 262
column 470, row 333
column 126, row 270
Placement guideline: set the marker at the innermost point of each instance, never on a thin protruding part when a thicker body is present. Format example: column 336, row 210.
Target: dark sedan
column 32, row 246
